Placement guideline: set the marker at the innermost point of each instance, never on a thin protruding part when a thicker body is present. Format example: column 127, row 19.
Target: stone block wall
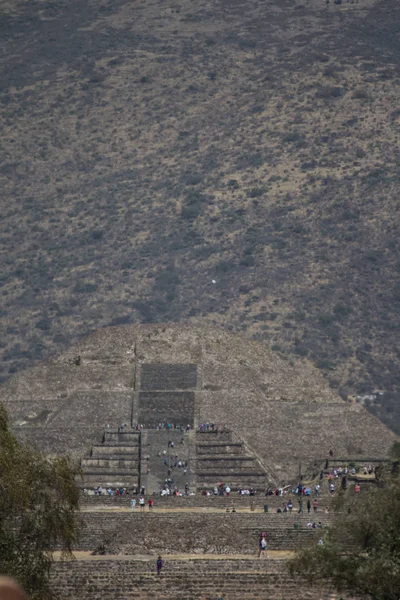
column 141, row 533
column 200, row 501
column 195, row 579
column 161, row 376
column 166, row 407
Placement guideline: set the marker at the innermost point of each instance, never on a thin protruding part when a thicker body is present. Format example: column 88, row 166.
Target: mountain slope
column 149, row 148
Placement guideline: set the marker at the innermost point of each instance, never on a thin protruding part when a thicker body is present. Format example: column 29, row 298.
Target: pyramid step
column 107, row 464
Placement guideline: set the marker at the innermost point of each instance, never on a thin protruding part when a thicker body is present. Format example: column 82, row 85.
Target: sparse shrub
column 301, row 350
column 323, row 58
column 256, row 192
column 342, row 310
column 166, row 279
column 44, row 324
column 193, row 205
column 329, row 71
column 305, row 166
column 82, row 287
column 192, row 179
column 372, row 256
column 361, row 94
column 324, row 363
column 326, row 319
column 247, row 261
column 233, row 183
column 295, row 137
column 329, row 92
column 96, row 234
column 223, row 266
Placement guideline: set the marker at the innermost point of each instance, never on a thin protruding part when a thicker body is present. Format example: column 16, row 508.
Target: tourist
column 150, row 503
column 300, row 506
column 356, row 488
column 308, row 506
column 316, row 490
column 141, row 503
column 285, row 508
column 315, row 504
column 290, row 505
column 227, row 490
column 133, row 503
column 262, row 547
column 160, row 564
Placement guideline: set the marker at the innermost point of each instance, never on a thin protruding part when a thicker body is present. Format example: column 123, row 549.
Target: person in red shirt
column 356, row 488
column 150, row 504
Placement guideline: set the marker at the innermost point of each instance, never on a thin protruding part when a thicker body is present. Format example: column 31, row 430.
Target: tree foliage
column 361, row 550
column 39, row 505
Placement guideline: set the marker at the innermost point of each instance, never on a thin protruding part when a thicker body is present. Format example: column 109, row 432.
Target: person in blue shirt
column 160, row 564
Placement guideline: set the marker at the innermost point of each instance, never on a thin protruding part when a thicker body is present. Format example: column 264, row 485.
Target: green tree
column 39, row 506
column 361, row 550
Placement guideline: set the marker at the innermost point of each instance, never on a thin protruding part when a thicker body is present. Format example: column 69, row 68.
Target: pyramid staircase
column 115, row 462
column 222, row 458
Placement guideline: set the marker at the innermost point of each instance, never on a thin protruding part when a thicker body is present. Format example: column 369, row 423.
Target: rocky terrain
column 227, row 162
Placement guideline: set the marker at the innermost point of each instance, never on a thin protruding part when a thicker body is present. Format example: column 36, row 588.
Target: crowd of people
column 173, row 463
column 114, row 491
column 209, row 427
column 158, row 426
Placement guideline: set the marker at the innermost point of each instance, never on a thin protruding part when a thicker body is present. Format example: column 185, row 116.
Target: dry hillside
column 150, row 147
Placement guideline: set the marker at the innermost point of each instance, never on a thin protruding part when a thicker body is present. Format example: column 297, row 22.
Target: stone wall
column 196, row 579
column 161, row 376
column 166, row 407
column 134, row 532
column 200, row 501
